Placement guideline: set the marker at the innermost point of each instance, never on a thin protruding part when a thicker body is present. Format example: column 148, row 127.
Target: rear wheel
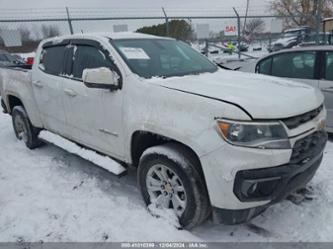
column 23, row 128
column 169, row 178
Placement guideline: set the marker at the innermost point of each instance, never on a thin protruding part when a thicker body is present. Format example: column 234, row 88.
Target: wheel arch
column 12, row 101
column 142, row 140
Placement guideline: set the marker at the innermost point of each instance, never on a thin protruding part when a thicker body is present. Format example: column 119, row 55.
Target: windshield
column 162, row 58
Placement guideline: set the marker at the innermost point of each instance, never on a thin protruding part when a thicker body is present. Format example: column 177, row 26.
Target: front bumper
column 242, row 182
column 275, row 183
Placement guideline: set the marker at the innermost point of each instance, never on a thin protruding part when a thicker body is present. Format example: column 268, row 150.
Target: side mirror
column 101, row 78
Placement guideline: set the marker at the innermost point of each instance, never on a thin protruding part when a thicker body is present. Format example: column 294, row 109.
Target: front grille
column 308, row 147
column 296, row 121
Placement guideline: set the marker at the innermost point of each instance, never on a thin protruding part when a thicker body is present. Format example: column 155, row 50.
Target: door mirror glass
column 101, row 77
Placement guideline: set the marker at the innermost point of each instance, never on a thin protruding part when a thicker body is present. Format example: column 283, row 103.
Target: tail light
column 30, row 60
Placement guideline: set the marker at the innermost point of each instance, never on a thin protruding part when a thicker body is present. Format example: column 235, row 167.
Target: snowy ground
column 50, row 195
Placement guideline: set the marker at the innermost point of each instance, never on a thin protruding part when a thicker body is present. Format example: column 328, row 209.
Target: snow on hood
column 263, row 97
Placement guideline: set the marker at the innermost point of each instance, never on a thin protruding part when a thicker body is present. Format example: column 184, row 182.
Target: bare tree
column 49, row 31
column 254, row 27
column 302, row 12
column 25, row 33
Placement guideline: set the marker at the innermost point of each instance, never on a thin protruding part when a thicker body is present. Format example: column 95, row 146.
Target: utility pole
column 318, row 19
column 69, row 21
column 239, row 33
column 166, row 22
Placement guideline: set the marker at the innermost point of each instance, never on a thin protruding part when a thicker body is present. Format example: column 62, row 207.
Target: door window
column 89, row 57
column 329, row 66
column 299, row 65
column 52, row 60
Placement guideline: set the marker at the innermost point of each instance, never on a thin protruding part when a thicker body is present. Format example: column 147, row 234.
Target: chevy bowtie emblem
column 322, row 125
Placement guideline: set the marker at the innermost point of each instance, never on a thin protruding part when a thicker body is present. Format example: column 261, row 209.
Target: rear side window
column 329, row 66
column 89, row 57
column 52, row 60
column 265, row 66
column 299, row 65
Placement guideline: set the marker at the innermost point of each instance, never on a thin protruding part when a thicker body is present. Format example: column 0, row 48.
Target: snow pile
column 166, row 214
column 50, row 195
column 103, row 161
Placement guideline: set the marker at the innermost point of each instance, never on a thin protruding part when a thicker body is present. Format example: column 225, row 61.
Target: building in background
column 328, row 25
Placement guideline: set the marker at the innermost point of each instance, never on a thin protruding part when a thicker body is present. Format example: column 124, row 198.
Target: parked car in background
column 290, row 38
column 311, row 40
column 11, row 60
column 310, row 65
column 205, row 140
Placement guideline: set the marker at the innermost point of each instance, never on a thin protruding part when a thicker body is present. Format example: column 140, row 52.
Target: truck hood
column 262, row 97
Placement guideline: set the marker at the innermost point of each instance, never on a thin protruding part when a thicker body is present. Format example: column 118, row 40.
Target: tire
column 185, row 182
column 23, row 128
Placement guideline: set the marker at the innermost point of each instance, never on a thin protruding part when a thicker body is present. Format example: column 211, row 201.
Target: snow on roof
column 114, row 36
column 328, row 19
column 296, row 29
column 300, row 49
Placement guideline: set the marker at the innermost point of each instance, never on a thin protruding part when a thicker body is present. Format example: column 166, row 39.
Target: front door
column 94, row 116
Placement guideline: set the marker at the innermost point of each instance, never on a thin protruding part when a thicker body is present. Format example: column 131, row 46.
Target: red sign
column 230, row 29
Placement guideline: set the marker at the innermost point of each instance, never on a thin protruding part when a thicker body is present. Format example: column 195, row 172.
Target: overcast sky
column 198, row 4
column 52, row 8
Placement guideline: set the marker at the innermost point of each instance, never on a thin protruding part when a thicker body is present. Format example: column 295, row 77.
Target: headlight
column 265, row 135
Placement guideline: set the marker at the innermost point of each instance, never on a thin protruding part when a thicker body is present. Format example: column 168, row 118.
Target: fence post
column 318, row 20
column 206, row 50
column 239, row 33
column 69, row 21
column 166, row 22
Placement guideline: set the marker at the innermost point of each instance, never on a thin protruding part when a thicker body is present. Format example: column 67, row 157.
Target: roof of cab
column 300, row 49
column 110, row 35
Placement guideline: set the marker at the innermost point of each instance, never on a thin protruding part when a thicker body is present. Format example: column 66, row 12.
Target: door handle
column 37, row 83
column 70, row 92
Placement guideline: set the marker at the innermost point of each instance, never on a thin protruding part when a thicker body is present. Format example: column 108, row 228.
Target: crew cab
column 206, row 142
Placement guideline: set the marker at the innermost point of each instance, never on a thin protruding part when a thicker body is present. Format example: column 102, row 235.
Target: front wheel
column 169, row 178
column 23, row 128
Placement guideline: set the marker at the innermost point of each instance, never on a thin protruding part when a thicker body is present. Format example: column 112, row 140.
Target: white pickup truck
column 207, row 142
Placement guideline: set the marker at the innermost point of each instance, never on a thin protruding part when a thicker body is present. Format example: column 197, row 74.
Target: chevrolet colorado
column 206, row 141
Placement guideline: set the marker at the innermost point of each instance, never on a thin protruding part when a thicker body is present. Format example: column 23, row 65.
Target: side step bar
column 90, row 155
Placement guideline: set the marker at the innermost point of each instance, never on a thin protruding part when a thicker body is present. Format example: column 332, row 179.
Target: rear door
column 326, row 85
column 94, row 115
column 46, row 83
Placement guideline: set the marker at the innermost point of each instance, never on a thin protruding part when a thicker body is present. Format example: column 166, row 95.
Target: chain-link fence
column 222, row 28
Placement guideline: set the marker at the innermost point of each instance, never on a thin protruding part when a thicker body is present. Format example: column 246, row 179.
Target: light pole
column 318, row 19
column 246, row 13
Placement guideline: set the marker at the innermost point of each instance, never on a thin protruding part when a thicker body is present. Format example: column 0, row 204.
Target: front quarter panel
column 184, row 117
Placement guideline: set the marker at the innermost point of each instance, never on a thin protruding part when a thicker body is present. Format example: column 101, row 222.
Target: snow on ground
column 51, row 195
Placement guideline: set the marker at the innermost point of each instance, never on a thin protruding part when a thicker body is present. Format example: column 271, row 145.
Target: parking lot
column 50, row 195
